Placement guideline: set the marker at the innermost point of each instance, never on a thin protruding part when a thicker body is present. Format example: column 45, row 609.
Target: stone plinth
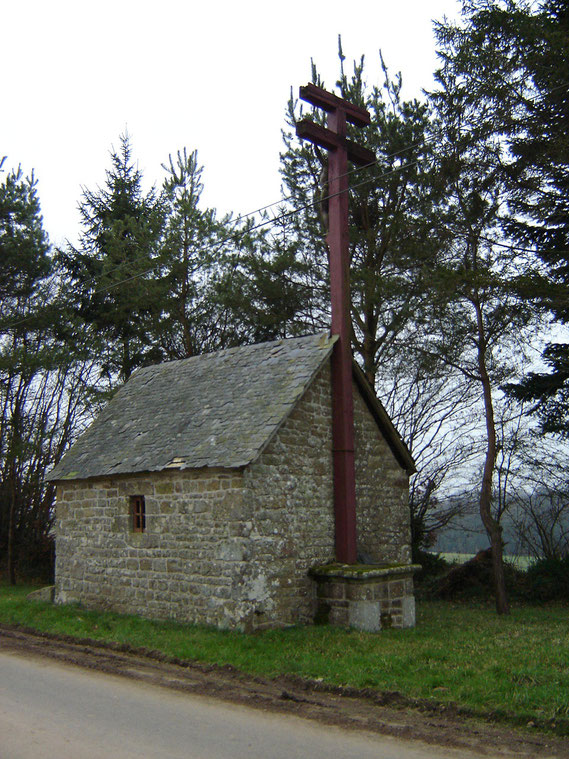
column 367, row 597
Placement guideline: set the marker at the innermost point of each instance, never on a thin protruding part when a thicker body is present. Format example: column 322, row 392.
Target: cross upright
column 341, row 150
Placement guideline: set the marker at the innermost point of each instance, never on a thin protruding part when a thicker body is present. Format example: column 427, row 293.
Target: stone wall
column 382, row 492
column 181, row 567
column 291, row 490
column 224, row 547
column 231, row 548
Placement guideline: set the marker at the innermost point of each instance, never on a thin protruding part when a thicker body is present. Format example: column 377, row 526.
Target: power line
column 286, row 199
column 296, row 210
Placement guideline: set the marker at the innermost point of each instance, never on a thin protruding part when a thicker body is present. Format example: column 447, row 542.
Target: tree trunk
column 12, row 531
column 493, row 527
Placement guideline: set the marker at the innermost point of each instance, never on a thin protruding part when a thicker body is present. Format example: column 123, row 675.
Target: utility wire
column 290, row 198
column 296, row 210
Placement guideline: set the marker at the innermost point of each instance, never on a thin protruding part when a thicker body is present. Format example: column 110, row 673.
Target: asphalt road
column 50, row 710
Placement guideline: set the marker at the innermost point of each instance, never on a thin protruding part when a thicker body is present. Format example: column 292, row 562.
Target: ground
column 346, row 707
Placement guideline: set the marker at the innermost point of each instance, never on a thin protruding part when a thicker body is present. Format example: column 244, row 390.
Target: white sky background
column 213, row 76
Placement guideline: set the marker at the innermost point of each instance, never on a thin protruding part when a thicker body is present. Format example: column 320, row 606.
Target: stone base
column 43, row 594
column 367, row 597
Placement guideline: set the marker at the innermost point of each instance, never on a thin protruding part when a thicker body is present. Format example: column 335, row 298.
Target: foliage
column 396, row 237
column 541, row 184
column 516, row 51
column 114, row 270
column 481, row 320
column 432, row 565
column 549, row 579
column 393, row 230
column 540, row 499
column 41, row 381
column 193, row 259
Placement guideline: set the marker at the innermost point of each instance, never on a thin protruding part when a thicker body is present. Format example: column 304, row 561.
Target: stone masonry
column 230, row 547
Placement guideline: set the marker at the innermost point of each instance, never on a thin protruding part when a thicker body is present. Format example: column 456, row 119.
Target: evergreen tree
column 115, row 268
column 219, row 291
column 265, row 288
column 41, row 381
column 24, row 260
column 394, row 234
column 517, row 54
column 187, row 259
column 540, row 175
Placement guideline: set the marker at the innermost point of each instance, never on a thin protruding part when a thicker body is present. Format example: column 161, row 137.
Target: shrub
column 549, row 579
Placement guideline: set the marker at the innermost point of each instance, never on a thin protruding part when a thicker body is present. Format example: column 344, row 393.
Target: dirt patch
column 386, row 713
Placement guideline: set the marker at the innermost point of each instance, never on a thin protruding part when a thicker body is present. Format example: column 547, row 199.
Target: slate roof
column 217, row 409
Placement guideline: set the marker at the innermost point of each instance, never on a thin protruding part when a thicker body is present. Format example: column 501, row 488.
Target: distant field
column 520, row 562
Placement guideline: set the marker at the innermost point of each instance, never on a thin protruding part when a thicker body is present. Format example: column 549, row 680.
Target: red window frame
column 138, row 513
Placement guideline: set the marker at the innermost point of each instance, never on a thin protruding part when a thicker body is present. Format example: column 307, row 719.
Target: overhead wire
column 296, row 210
column 289, row 198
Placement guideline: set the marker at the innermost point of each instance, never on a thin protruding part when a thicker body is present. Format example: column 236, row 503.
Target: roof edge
column 386, row 426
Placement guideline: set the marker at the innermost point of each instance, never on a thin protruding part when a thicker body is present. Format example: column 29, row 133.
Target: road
column 50, row 710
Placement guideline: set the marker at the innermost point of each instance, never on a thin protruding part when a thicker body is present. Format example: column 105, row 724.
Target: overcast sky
column 213, row 75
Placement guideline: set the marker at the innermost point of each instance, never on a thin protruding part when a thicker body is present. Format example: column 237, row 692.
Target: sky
column 213, row 76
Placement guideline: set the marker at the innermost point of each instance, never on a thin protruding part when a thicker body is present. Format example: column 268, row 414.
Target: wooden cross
column 341, row 150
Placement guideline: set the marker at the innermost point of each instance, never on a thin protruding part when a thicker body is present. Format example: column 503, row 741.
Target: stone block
column 338, row 615
column 365, row 616
column 408, row 612
column 359, row 591
column 396, row 589
column 335, row 590
column 43, row 594
column 164, row 488
column 380, row 591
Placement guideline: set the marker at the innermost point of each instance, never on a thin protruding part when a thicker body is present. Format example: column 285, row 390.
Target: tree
column 266, row 286
column 41, row 383
column 519, row 71
column 435, row 411
column 540, row 145
column 540, row 496
column 480, row 315
column 397, row 234
column 190, row 251
column 115, row 268
column 227, row 282
column 394, row 235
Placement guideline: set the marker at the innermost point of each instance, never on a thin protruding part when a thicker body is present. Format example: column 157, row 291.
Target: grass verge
column 513, row 669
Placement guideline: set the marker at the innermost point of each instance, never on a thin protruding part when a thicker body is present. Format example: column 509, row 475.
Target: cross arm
column 325, row 138
column 329, row 102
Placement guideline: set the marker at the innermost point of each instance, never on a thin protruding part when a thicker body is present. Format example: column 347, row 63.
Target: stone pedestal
column 367, row 597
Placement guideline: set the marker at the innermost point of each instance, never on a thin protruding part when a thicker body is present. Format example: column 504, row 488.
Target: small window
column 138, row 513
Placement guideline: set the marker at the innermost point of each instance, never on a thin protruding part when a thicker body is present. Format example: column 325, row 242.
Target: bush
column 432, row 564
column 549, row 579
column 432, row 567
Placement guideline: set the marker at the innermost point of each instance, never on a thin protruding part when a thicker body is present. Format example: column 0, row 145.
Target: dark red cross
column 341, row 150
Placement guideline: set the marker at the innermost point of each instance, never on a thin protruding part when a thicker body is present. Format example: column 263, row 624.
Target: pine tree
column 394, row 234
column 116, row 269
column 517, row 54
column 193, row 259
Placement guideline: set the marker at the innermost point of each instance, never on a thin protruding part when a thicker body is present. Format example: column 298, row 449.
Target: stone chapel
column 203, row 492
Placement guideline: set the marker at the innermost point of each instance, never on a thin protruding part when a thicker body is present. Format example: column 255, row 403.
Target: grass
column 513, row 669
